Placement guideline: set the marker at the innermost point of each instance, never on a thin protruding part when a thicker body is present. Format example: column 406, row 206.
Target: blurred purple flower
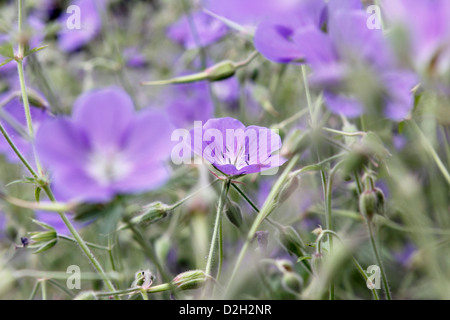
column 134, row 58
column 249, row 13
column 234, row 149
column 188, row 103
column 274, row 35
column 12, row 118
column 2, row 225
column 425, row 25
column 72, row 37
column 105, row 148
column 350, row 45
column 55, row 221
column 404, row 256
column 208, row 29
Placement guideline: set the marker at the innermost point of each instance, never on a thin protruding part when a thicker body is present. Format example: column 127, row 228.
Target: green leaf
column 27, row 53
column 7, row 50
column 304, row 258
column 6, row 62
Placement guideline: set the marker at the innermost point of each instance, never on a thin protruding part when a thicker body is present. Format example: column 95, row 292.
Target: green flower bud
column 162, row 247
column 368, row 204
column 292, row 282
column 190, row 280
column 221, row 71
column 288, row 189
column 151, row 214
column 87, row 295
column 43, row 240
column 233, row 213
column 291, row 241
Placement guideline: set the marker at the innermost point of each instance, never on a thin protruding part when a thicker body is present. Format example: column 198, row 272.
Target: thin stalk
column 81, row 243
column 155, row 289
column 89, row 244
column 216, row 236
column 379, row 261
column 263, row 214
column 35, row 290
column 431, row 150
column 44, row 289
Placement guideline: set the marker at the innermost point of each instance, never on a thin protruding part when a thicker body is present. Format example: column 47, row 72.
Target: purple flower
column 80, row 25
column 274, row 35
column 234, row 149
column 12, row 118
column 105, row 148
column 249, row 13
column 425, row 30
column 405, row 255
column 348, row 49
column 208, row 29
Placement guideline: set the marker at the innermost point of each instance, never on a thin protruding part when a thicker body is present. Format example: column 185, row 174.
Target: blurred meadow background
column 361, row 186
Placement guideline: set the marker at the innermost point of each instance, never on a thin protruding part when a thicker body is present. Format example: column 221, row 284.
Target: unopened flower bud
column 233, row 213
column 221, row 71
column 190, row 280
column 292, row 282
column 291, row 241
column 288, row 189
column 151, row 214
column 42, row 240
column 381, row 207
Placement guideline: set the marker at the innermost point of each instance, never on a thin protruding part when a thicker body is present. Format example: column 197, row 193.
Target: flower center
column 107, row 167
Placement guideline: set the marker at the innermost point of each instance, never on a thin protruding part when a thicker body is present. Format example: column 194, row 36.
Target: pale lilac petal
column 104, row 115
column 340, row 104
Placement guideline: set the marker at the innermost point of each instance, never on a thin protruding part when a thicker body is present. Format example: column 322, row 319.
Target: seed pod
column 190, row 280
column 233, row 213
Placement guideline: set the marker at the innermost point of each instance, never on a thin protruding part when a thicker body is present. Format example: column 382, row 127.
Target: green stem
column 379, row 261
column 216, row 236
column 35, row 290
column 81, row 243
column 263, row 214
column 89, row 244
column 18, row 153
column 44, row 289
column 155, row 289
column 431, row 150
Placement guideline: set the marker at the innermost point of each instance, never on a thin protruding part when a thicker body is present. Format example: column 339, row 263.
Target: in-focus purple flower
column 188, row 103
column 424, row 27
column 350, row 47
column 12, row 118
column 209, row 30
column 105, row 148
column 274, row 35
column 234, row 149
column 72, row 35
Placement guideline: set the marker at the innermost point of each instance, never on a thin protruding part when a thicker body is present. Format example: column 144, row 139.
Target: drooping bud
column 288, row 189
column 233, row 213
column 188, row 280
column 381, row 207
column 368, row 204
column 290, row 281
column 291, row 241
